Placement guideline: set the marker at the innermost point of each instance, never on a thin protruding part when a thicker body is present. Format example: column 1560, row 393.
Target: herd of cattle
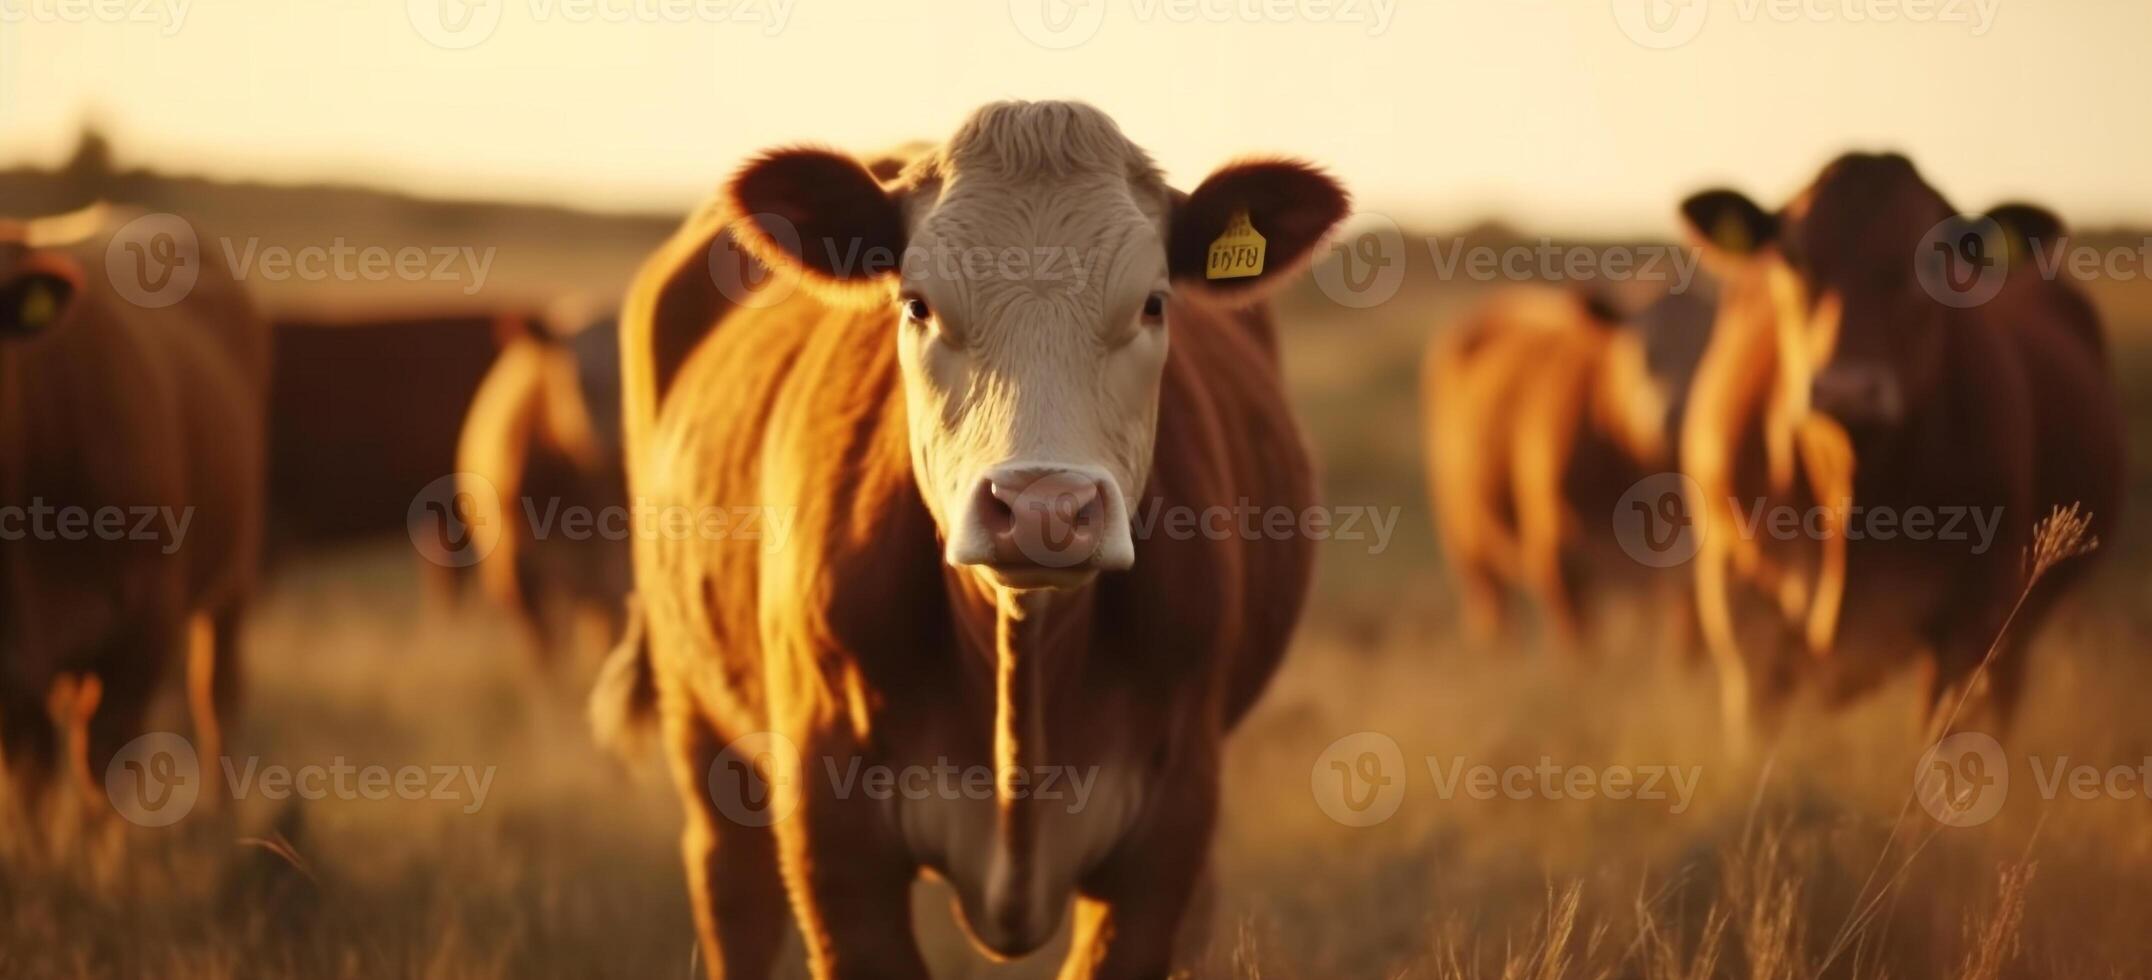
column 959, row 456
column 252, row 444
column 1832, row 374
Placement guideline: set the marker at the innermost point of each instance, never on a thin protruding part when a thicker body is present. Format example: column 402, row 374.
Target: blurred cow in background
column 1542, row 409
column 363, row 431
column 539, row 461
column 131, row 433
column 1855, row 372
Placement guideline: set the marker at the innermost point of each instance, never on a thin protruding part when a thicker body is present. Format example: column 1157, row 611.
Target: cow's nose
column 1053, row 519
column 1033, row 526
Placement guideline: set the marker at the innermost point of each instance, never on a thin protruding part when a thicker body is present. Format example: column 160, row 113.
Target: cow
column 956, row 391
column 539, row 458
column 131, row 432
column 363, row 417
column 1847, row 377
column 1541, row 410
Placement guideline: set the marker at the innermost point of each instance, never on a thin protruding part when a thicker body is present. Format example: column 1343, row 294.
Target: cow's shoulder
column 676, row 298
column 1227, row 445
column 786, row 424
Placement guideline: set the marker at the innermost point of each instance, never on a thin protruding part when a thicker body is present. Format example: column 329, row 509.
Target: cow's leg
column 1714, row 615
column 740, row 912
column 1539, row 540
column 1485, row 621
column 853, row 896
column 213, row 679
column 1967, row 690
column 1131, row 913
column 1543, row 569
column 30, row 744
column 1677, row 602
column 1827, row 455
column 532, row 600
column 441, row 586
column 127, row 676
column 1544, row 524
column 1941, row 695
column 2006, row 685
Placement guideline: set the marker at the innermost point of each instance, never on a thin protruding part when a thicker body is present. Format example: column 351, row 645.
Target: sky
column 1566, row 116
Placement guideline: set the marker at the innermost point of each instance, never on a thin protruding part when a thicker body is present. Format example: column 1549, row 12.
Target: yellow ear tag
column 1238, row 252
column 38, row 307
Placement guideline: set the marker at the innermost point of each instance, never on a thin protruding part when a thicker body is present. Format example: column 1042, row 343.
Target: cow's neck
column 1032, row 642
column 1026, row 642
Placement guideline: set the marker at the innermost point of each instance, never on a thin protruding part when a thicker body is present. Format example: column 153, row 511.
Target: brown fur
column 1540, row 414
column 855, row 641
column 362, row 418
column 2007, row 405
column 546, row 446
column 115, row 405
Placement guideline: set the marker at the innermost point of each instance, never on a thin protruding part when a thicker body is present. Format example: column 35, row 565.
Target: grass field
column 1803, row 861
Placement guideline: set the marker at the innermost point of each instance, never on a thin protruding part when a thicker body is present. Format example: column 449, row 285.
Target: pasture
column 1807, row 860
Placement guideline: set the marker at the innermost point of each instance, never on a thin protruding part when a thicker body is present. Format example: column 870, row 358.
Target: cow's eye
column 1154, row 308
column 916, row 309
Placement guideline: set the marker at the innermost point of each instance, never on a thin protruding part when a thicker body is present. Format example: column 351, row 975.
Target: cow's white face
column 1028, row 265
column 1032, row 335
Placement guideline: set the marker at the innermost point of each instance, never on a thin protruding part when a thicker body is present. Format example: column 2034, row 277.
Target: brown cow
column 956, row 451
column 146, row 404
column 1839, row 378
column 540, row 461
column 1542, row 409
column 363, row 418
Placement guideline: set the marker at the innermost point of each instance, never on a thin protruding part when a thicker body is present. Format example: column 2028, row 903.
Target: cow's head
column 1031, row 267
column 1848, row 275
column 37, row 289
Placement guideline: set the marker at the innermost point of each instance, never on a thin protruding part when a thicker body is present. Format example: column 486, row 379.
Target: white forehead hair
column 1058, row 177
column 1017, row 140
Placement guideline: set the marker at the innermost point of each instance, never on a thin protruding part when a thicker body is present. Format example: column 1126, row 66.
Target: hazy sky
column 1565, row 115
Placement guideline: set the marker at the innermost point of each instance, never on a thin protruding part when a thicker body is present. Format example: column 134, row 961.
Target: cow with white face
column 961, row 379
column 1032, row 391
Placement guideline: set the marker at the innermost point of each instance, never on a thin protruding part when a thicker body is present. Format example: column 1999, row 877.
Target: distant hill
column 462, row 253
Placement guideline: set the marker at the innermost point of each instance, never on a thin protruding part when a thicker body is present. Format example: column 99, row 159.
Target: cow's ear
column 1728, row 222
column 822, row 215
column 1250, row 226
column 38, row 296
column 2027, row 226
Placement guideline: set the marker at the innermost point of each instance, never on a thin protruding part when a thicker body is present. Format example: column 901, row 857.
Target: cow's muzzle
column 1031, row 527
